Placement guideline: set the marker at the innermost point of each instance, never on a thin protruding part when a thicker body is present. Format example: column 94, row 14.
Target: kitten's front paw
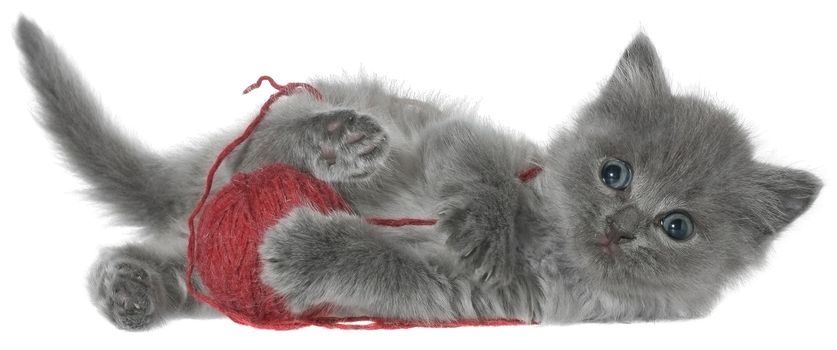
column 481, row 229
column 296, row 255
column 347, row 146
column 127, row 293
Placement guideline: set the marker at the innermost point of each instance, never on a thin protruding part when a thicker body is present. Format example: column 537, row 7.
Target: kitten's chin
column 612, row 266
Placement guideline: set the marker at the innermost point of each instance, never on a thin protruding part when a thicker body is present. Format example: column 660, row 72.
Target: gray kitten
column 647, row 207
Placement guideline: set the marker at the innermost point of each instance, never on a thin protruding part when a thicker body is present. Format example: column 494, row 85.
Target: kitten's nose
column 622, row 223
column 619, row 236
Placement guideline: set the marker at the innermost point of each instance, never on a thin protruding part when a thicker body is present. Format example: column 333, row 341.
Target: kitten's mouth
column 609, row 243
column 363, row 174
column 607, row 246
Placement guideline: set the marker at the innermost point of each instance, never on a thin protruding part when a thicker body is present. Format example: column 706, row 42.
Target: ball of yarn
column 230, row 230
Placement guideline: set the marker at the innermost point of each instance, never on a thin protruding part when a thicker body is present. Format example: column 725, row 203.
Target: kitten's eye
column 677, row 225
column 616, row 174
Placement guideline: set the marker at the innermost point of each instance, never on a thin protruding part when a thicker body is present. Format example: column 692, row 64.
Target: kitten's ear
column 793, row 192
column 639, row 72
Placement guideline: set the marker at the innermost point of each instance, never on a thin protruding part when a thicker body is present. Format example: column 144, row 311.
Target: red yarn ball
column 230, row 230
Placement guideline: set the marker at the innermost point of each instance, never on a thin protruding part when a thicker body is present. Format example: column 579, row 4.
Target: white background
column 170, row 72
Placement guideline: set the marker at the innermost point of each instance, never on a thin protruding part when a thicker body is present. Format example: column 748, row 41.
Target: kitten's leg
column 138, row 286
column 341, row 260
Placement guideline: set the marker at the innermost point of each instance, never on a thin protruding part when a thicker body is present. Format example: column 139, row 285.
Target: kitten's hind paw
column 127, row 293
column 348, row 146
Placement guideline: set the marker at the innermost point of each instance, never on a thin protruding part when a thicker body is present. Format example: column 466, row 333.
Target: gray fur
column 137, row 184
column 501, row 248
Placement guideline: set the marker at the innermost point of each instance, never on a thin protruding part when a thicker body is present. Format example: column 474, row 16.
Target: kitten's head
column 660, row 194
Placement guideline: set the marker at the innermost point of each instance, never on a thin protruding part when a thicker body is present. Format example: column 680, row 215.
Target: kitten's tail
column 122, row 173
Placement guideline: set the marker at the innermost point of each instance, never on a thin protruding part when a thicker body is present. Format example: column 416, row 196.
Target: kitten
column 646, row 208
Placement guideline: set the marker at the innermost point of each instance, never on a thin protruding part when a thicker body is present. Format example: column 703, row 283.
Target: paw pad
column 350, row 146
column 129, row 296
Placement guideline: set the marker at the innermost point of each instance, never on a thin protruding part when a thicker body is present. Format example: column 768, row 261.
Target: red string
column 530, row 173
column 328, row 322
column 524, row 176
column 400, row 222
column 283, row 89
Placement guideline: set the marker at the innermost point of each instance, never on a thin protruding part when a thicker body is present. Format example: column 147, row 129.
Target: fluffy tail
column 131, row 179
